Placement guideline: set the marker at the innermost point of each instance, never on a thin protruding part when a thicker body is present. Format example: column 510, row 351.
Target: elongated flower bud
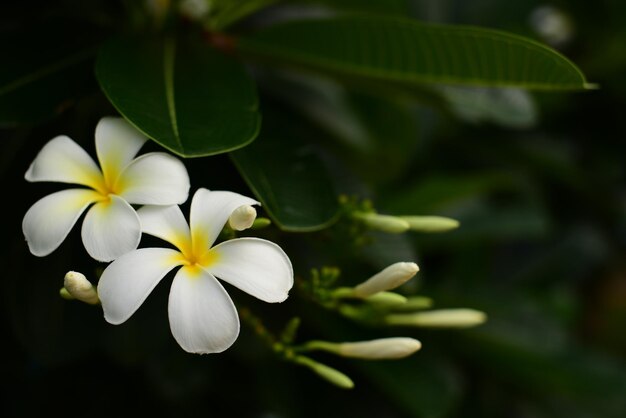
column 389, row 278
column 242, row 218
column 442, row 318
column 385, row 223
column 431, row 223
column 334, row 376
column 414, row 303
column 77, row 285
column 386, row 300
column 379, row 349
column 382, row 348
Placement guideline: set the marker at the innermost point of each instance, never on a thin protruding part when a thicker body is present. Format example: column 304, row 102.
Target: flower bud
column 385, row 223
column 414, row 303
column 78, row 287
column 431, row 223
column 65, row 294
column 442, row 318
column 242, row 218
column 389, row 278
column 260, row 223
column 386, row 300
column 334, row 376
column 382, row 348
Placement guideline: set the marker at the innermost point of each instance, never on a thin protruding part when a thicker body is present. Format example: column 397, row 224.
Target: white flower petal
column 203, row 318
column 49, row 220
column 117, row 143
column 167, row 223
column 63, row 160
column 256, row 266
column 110, row 229
column 128, row 281
column 209, row 212
column 154, row 179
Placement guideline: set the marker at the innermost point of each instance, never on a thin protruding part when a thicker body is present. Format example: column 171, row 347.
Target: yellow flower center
column 196, row 260
column 105, row 187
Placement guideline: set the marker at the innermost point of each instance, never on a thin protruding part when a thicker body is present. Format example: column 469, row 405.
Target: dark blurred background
column 537, row 181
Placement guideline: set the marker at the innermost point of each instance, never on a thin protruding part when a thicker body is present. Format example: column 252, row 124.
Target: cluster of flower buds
column 375, row 301
column 383, row 306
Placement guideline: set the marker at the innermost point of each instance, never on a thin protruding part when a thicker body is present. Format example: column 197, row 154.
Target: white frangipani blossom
column 202, row 316
column 111, row 226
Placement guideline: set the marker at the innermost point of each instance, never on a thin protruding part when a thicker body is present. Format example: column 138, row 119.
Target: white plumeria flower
column 202, row 316
column 111, row 226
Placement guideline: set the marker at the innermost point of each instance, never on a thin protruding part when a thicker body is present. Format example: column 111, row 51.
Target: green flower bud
column 414, row 303
column 431, row 223
column 65, row 294
column 386, row 300
column 385, row 223
column 442, row 318
column 333, row 376
column 260, row 223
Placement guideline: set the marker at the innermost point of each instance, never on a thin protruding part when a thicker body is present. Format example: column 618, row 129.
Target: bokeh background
column 537, row 181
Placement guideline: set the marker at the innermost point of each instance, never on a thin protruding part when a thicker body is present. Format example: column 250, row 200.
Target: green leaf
column 185, row 95
column 287, row 176
column 403, row 50
column 44, row 69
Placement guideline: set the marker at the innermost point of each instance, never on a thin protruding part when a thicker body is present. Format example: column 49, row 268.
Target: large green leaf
column 403, row 50
column 287, row 176
column 188, row 97
column 45, row 67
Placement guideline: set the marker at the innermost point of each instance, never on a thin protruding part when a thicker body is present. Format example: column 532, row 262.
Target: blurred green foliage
column 536, row 179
